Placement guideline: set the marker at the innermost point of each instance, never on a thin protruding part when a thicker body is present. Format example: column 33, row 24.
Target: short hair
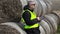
column 31, row 2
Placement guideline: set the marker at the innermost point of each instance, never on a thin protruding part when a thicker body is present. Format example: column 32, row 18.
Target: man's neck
column 30, row 9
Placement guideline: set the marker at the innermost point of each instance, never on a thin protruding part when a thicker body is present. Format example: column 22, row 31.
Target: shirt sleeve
column 26, row 16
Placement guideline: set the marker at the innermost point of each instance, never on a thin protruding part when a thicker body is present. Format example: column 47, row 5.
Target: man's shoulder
column 26, row 12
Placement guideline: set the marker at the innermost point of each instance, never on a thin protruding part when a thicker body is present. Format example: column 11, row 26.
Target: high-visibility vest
column 33, row 16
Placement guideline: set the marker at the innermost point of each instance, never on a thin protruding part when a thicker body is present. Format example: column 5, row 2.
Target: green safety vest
column 33, row 16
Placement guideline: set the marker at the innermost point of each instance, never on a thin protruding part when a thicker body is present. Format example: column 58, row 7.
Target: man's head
column 31, row 5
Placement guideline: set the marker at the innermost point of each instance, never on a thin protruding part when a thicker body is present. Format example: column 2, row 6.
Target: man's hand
column 38, row 18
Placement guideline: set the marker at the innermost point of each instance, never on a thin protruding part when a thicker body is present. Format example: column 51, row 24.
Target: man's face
column 32, row 6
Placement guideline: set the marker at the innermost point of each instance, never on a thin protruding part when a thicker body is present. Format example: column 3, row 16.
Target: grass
column 58, row 31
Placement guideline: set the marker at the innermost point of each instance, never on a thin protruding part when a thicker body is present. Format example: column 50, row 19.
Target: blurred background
column 11, row 11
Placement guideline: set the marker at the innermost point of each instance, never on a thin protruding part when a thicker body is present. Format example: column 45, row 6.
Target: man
column 30, row 19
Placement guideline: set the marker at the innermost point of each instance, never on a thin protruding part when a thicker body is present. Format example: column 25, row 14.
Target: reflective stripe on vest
column 33, row 16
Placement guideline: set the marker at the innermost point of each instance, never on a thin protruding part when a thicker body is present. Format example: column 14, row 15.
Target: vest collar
column 30, row 10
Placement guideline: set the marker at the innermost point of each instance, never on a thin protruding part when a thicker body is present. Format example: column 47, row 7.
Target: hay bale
column 10, row 10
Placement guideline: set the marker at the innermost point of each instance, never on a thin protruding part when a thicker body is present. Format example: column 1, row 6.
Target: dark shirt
column 26, row 16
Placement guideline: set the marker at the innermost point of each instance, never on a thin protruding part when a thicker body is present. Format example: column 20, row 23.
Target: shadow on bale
column 7, row 30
